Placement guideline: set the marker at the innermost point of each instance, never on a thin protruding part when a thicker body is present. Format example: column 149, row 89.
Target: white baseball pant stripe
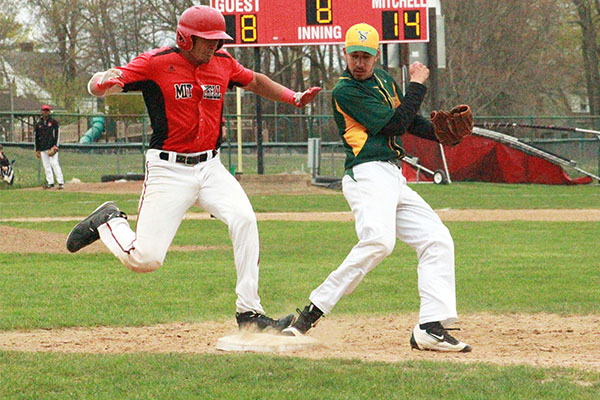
column 170, row 189
column 51, row 165
column 385, row 208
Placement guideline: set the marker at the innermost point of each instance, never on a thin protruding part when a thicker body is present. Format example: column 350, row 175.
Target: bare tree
column 499, row 55
column 119, row 30
column 62, row 29
column 10, row 29
column 92, row 35
column 588, row 12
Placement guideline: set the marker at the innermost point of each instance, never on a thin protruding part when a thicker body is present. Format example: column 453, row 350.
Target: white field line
column 445, row 215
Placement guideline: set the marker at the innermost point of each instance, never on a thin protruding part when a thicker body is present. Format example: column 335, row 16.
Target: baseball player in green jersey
column 371, row 116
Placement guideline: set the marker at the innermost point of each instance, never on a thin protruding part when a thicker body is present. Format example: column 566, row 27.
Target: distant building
column 579, row 104
column 19, row 76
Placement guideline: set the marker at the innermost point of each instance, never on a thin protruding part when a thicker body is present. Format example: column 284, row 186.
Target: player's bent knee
column 243, row 220
column 387, row 247
column 439, row 244
column 247, row 218
column 382, row 247
column 444, row 238
column 147, row 263
column 142, row 269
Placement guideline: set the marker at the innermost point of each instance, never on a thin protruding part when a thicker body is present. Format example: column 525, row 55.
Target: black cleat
column 86, row 232
column 307, row 319
column 260, row 322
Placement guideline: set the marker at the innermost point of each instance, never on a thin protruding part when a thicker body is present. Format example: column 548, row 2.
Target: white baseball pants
column 51, row 165
column 385, row 208
column 170, row 189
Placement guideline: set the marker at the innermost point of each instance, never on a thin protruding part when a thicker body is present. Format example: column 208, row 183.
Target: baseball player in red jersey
column 184, row 88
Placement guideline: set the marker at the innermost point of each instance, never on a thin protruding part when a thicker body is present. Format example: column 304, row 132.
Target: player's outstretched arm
column 266, row 87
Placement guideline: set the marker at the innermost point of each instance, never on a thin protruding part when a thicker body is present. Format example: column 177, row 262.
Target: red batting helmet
column 202, row 21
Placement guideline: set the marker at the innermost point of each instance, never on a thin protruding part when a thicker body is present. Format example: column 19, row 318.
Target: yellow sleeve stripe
column 355, row 134
column 396, row 99
column 393, row 100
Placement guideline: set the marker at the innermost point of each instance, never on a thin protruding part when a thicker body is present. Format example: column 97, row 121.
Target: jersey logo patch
column 211, row 92
column 183, row 91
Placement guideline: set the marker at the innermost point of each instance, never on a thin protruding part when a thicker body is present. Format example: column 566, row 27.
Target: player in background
column 4, row 162
column 6, row 172
column 47, row 135
column 370, row 117
column 184, row 88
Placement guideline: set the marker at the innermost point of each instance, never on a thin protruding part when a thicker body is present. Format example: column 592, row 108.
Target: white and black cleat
column 436, row 338
column 86, row 231
column 260, row 322
column 307, row 319
column 291, row 331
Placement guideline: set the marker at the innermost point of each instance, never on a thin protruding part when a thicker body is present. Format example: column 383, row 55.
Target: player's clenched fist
column 418, row 72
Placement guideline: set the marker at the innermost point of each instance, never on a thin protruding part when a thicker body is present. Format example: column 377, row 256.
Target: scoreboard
column 316, row 22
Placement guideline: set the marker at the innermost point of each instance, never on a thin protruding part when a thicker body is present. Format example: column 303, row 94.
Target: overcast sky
column 25, row 17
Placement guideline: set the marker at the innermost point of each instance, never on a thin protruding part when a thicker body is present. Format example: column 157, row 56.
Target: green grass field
column 24, row 203
column 90, row 166
column 502, row 267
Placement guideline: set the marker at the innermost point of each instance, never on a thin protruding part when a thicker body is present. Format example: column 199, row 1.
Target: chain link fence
column 116, row 143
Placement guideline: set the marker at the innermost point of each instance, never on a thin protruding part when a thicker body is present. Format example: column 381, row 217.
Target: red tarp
column 484, row 160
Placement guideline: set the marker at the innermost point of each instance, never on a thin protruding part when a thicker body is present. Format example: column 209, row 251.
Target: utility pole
column 259, row 144
column 12, row 110
column 433, row 61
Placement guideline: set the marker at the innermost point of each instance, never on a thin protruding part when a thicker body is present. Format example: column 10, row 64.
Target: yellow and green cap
column 362, row 37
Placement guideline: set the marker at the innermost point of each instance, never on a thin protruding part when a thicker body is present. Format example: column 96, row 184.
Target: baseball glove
column 451, row 127
column 52, row 151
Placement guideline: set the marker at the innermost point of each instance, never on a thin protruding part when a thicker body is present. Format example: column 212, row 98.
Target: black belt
column 189, row 160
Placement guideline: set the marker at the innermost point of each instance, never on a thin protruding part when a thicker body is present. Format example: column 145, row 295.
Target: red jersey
column 184, row 101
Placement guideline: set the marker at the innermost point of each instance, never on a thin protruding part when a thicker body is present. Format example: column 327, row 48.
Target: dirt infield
column 546, row 340
column 32, row 241
column 254, row 185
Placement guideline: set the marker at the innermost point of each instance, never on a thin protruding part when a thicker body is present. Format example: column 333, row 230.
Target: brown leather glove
column 52, row 151
column 451, row 127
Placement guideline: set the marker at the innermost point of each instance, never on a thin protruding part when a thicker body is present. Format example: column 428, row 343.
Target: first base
column 264, row 342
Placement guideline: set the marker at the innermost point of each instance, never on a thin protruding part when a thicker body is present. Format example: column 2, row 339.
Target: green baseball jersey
column 361, row 109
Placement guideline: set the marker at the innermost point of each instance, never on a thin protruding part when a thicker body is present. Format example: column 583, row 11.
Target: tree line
column 503, row 58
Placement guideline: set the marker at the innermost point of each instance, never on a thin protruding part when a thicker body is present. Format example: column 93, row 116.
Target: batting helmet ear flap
column 184, row 41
